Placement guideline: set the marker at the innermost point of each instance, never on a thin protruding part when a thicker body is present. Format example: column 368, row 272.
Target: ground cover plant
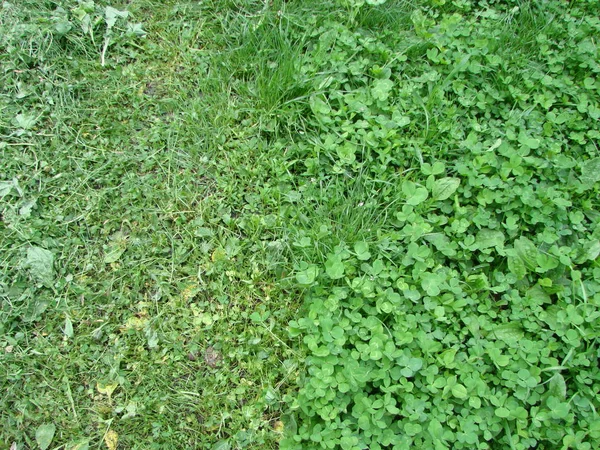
column 296, row 224
column 468, row 317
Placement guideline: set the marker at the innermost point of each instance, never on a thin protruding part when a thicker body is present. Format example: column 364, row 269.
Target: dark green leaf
column 517, row 267
column 527, row 251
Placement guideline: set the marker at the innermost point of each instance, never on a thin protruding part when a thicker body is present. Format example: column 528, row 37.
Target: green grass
column 162, row 194
column 145, row 157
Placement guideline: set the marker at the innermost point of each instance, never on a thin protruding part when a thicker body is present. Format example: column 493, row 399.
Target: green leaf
column 362, row 251
column 303, row 242
column 319, row 107
column 557, row 386
column 34, row 310
column 25, row 121
column 130, row 411
column 435, row 429
column 529, row 141
column 595, row 428
column 508, row 332
column 444, row 188
column 221, row 445
column 115, row 248
column 6, row 188
column 559, row 409
column 478, row 282
column 431, row 283
column 68, row 329
column 546, row 262
column 307, row 276
column 517, row 267
column 203, row 232
column 81, row 445
column 415, row 195
column 26, row 208
column 415, row 364
column 136, row 29
column 111, row 16
column 527, row 251
column 63, row 27
column 399, row 119
column 412, row 429
column 589, row 252
column 590, row 170
column 151, row 338
column 348, row 442
column 487, row 238
column 41, row 264
column 346, row 153
column 447, row 357
column 459, row 391
column 438, row 168
column 44, row 435
column 334, row 267
column 381, row 89
column 502, row 412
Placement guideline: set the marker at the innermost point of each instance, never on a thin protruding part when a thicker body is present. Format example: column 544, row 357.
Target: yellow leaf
column 112, row 439
column 189, row 292
column 107, row 389
column 278, row 427
column 135, row 323
column 218, row 255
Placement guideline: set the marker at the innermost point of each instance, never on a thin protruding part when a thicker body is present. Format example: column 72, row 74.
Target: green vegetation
column 298, row 224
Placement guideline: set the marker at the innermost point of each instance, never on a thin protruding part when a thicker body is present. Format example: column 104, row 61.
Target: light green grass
column 156, row 156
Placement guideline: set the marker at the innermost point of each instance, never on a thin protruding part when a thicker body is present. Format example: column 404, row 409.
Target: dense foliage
column 469, row 317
